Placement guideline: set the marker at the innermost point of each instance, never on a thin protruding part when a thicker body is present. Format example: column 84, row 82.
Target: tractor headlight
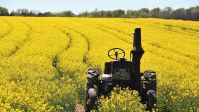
column 106, row 77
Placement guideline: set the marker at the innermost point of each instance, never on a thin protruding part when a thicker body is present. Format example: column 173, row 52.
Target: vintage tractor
column 122, row 73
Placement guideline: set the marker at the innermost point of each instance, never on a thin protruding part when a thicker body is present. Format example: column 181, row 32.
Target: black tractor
column 123, row 73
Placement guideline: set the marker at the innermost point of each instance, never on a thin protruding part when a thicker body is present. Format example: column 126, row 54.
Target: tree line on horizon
column 191, row 13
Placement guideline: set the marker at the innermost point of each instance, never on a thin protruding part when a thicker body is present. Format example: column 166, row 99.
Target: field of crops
column 43, row 61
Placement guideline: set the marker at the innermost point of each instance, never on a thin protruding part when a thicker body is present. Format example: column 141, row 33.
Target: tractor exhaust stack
column 137, row 53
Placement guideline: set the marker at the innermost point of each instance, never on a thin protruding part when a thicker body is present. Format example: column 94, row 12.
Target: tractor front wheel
column 92, row 89
column 149, row 89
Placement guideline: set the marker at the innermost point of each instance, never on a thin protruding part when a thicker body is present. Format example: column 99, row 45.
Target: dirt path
column 79, row 108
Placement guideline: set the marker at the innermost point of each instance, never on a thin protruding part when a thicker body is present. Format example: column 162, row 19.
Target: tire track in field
column 85, row 59
column 56, row 60
column 59, row 69
column 169, row 28
column 80, row 107
column 10, row 29
column 184, row 28
column 69, row 37
column 193, row 57
column 169, row 25
column 24, row 41
column 121, row 32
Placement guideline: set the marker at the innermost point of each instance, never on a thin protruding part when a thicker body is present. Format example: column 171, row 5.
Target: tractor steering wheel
column 116, row 53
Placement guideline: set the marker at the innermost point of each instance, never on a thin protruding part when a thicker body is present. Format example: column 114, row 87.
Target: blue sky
column 89, row 5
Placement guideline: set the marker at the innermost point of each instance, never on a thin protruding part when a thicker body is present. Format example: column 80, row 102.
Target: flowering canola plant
column 43, row 61
column 121, row 101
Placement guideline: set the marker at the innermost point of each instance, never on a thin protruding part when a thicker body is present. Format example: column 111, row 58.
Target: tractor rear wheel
column 92, row 89
column 149, row 88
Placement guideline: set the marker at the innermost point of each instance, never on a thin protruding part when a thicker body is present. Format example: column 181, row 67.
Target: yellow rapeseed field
column 43, row 61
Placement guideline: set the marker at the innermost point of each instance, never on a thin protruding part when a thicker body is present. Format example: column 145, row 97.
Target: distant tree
column 144, row 12
column 84, row 14
column 25, row 12
column 108, row 14
column 166, row 13
column 136, row 14
column 118, row 13
column 97, row 13
column 18, row 12
column 12, row 13
column 129, row 13
column 195, row 13
column 33, row 13
column 179, row 13
column 22, row 12
column 102, row 13
column 66, row 14
column 155, row 12
column 40, row 14
column 94, row 13
column 3, row 11
column 132, row 13
column 189, row 14
column 143, row 15
column 48, row 14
